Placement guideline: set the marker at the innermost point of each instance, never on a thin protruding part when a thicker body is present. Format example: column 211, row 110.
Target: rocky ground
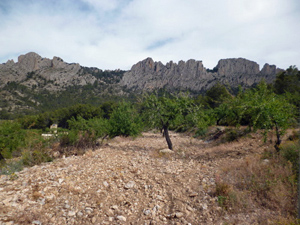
column 128, row 181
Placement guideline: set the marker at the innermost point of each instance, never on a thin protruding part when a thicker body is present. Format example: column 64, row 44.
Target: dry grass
column 256, row 183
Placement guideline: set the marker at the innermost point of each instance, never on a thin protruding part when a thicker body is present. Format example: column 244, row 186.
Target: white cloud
column 102, row 5
column 118, row 33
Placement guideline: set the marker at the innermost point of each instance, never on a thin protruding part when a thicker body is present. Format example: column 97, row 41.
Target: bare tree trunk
column 278, row 140
column 1, row 156
column 166, row 134
column 162, row 131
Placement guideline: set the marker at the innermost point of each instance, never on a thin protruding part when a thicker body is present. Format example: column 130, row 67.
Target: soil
column 129, row 181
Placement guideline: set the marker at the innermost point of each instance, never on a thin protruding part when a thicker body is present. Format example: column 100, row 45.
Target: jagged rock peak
column 270, row 69
column 33, row 62
column 234, row 66
column 56, row 72
column 28, row 56
column 149, row 65
column 10, row 62
column 148, row 74
column 191, row 74
column 145, row 66
column 29, row 62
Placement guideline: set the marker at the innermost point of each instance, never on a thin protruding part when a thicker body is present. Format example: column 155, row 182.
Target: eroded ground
column 127, row 181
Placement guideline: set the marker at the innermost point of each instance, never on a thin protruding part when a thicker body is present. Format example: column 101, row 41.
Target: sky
column 115, row 34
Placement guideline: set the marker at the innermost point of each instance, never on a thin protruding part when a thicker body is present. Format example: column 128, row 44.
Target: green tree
column 260, row 108
column 171, row 112
column 288, row 81
column 216, row 95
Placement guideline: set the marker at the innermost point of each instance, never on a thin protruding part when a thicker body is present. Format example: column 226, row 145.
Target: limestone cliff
column 192, row 75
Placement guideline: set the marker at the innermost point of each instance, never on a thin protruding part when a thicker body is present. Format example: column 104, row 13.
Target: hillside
column 128, row 181
column 35, row 84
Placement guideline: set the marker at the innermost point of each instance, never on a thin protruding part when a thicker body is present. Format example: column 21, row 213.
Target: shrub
column 12, row 138
column 11, row 167
column 290, row 151
column 294, row 136
column 233, row 134
column 124, row 121
column 35, row 157
column 228, row 197
column 83, row 134
column 68, row 139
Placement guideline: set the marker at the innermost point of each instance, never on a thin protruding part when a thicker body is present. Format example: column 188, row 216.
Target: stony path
column 126, row 181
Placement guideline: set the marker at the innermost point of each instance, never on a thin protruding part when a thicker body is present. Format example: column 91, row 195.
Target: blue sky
column 112, row 34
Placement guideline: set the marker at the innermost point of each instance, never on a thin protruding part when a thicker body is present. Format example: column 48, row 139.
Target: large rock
column 230, row 67
column 32, row 62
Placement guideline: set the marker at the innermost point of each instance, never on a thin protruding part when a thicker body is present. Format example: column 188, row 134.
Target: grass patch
column 290, row 152
column 8, row 168
column 35, row 157
column 257, row 183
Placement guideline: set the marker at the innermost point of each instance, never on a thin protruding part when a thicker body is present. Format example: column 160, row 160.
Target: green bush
column 12, row 139
column 35, row 157
column 232, row 135
column 124, row 121
column 216, row 95
column 290, row 151
column 84, row 133
column 69, row 138
column 98, row 126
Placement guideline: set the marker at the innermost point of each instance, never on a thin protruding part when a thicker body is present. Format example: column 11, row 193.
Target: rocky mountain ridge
column 31, row 68
column 33, row 81
column 192, row 75
column 144, row 75
column 36, row 84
